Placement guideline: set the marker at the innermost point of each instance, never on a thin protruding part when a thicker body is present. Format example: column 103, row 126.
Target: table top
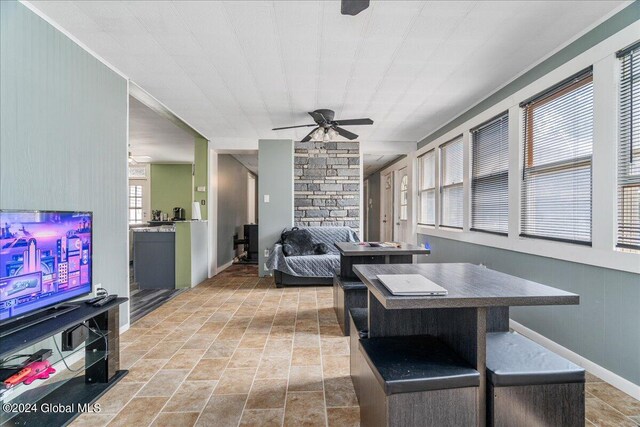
column 356, row 249
column 468, row 285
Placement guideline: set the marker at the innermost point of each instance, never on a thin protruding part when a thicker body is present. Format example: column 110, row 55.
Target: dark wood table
column 478, row 302
column 355, row 253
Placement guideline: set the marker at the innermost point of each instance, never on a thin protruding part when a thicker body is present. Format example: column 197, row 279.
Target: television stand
column 73, row 392
column 35, row 318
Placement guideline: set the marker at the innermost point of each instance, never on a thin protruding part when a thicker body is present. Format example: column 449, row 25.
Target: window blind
column 451, row 192
column 558, row 139
column 629, row 150
column 490, row 176
column 427, row 192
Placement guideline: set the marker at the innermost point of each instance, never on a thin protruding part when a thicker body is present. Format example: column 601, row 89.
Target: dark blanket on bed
column 296, row 242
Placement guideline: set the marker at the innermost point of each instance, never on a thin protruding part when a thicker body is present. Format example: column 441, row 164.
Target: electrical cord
column 96, row 331
column 9, row 359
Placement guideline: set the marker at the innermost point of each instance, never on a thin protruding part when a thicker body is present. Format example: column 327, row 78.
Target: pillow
column 296, row 242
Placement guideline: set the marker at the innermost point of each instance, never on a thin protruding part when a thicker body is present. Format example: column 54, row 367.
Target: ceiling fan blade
column 353, row 122
column 293, row 127
column 353, row 7
column 345, row 133
column 318, row 117
column 308, row 137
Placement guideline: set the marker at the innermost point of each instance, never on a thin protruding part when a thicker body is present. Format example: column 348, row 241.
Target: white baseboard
column 125, row 328
column 615, row 380
column 221, row 268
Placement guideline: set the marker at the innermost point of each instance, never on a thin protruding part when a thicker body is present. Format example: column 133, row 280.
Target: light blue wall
column 275, row 164
column 604, row 328
column 63, row 138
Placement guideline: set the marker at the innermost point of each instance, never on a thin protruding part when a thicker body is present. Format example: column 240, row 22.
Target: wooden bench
column 528, row 384
column 414, row 381
column 347, row 293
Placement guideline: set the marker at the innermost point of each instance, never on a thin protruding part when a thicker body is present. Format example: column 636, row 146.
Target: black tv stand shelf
column 78, row 392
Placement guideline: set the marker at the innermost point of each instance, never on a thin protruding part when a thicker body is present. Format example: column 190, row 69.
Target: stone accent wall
column 327, row 184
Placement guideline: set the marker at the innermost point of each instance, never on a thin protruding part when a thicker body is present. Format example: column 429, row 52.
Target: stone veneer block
column 327, row 184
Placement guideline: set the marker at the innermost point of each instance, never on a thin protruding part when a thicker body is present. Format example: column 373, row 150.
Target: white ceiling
column 374, row 162
column 156, row 137
column 236, row 69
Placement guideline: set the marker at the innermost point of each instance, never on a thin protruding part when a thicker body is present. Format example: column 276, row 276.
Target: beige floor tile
column 273, row 367
column 335, row 366
column 339, row 391
column 221, row 348
column 267, row 394
column 129, row 357
column 222, row 411
column 277, row 348
column 235, row 381
column 262, row 418
column 253, row 340
column 182, row 419
column 603, row 415
column 139, row 412
column 245, row 358
column 343, row 417
column 198, row 342
column 335, row 346
column 116, row 398
column 305, row 378
column 184, row 359
column 305, row 339
column 304, row 409
column 143, row 370
column 164, row 383
column 305, row 356
column 163, row 350
column 92, row 420
column 191, row 396
column 208, row 369
column 614, row 397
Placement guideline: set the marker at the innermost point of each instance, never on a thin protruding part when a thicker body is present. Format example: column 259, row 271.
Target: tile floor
column 237, row 351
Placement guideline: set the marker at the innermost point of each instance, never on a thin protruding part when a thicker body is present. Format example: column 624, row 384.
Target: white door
column 387, row 208
column 401, row 205
column 139, row 201
column 251, row 199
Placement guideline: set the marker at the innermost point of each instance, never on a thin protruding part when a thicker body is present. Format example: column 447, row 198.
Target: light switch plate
column 266, row 198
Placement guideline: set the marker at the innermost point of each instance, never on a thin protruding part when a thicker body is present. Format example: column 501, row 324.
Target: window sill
column 613, row 259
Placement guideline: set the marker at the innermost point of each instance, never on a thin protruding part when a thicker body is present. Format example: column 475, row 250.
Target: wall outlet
column 201, row 188
column 202, row 202
column 266, row 198
column 266, row 252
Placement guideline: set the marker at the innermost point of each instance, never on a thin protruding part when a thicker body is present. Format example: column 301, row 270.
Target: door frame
column 384, row 204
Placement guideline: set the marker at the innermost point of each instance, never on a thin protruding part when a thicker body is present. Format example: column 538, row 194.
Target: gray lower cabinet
column 154, row 255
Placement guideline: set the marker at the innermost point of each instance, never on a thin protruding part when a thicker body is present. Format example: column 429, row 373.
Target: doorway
column 401, row 205
column 251, row 198
column 387, row 208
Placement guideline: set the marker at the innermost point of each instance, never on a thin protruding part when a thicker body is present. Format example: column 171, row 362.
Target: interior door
column 387, row 208
column 251, row 199
column 401, row 205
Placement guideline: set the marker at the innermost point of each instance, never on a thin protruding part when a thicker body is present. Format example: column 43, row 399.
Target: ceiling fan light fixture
column 332, row 134
column 318, row 135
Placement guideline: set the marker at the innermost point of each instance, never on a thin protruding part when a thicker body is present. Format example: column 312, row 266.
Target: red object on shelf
column 33, row 371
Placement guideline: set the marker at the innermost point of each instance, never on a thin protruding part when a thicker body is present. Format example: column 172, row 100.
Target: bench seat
column 528, row 384
column 347, row 294
column 414, row 381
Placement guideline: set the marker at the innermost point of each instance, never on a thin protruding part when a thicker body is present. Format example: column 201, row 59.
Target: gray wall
column 604, row 328
column 63, row 139
column 373, row 220
column 275, row 163
column 232, row 205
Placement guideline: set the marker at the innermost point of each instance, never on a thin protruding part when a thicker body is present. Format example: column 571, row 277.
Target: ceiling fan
column 353, row 7
column 328, row 128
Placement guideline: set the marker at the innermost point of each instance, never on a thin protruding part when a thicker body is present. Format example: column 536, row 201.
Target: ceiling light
column 333, row 134
column 318, row 135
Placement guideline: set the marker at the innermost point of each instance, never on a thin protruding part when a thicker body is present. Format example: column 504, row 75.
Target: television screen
column 45, row 258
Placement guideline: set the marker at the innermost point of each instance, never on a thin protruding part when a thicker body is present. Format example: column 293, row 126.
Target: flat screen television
column 45, row 259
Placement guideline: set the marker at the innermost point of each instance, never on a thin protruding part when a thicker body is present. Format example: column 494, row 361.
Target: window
column 490, row 176
column 404, row 186
column 135, row 204
column 556, row 185
column 427, row 191
column 629, row 150
column 451, row 192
